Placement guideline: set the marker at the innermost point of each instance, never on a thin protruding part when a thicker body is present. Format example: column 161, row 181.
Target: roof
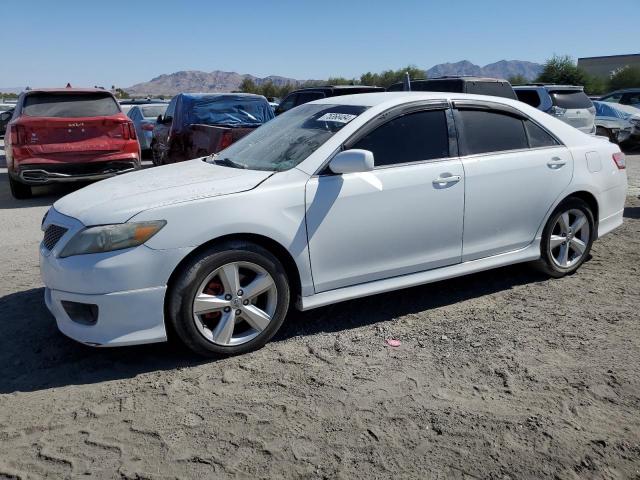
column 468, row 78
column 622, row 90
column 611, row 56
column 214, row 95
column 377, row 98
column 67, row 90
column 337, row 87
column 553, row 86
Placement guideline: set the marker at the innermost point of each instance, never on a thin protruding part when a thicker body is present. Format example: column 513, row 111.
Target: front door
column 405, row 216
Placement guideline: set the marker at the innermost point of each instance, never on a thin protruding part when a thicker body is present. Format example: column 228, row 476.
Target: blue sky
column 48, row 43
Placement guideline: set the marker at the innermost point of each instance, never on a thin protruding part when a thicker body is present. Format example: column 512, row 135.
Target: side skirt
column 529, row 253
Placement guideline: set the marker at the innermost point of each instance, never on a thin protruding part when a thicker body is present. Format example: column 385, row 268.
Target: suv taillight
column 128, row 131
column 557, row 111
column 18, row 135
column 227, row 139
column 132, row 131
column 619, row 160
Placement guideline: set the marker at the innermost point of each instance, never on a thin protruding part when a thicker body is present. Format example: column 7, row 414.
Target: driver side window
column 412, row 137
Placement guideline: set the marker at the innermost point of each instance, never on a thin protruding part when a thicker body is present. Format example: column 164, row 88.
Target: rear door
column 574, row 108
column 161, row 132
column 71, row 124
column 514, row 171
column 403, row 217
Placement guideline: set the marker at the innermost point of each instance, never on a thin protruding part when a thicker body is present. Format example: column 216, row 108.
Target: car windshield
column 283, row 143
column 153, row 111
column 94, row 104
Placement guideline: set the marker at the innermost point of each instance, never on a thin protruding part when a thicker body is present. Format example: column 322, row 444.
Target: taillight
column 227, row 139
column 557, row 111
column 147, row 127
column 620, row 161
column 132, row 131
column 18, row 135
column 125, row 130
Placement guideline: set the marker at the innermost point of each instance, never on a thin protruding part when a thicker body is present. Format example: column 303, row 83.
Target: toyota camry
column 336, row 199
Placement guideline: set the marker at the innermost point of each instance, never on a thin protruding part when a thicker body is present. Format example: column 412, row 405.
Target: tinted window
column 497, row 89
column 484, row 131
column 631, row 98
column 306, row 97
column 70, row 105
column 409, row 138
column 530, row 97
column 538, row 137
column 287, row 103
column 570, row 99
column 613, row 98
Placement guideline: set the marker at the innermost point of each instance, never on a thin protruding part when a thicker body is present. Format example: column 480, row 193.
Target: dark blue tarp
column 232, row 109
column 604, row 109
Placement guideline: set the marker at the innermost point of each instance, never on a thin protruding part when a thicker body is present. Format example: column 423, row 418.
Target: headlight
column 107, row 238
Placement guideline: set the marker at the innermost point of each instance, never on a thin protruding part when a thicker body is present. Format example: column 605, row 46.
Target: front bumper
column 124, row 318
column 125, row 287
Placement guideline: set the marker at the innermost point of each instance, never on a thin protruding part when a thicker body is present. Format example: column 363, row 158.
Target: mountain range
column 218, row 81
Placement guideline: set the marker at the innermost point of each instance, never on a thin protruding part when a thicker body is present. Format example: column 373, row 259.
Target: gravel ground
column 504, row 374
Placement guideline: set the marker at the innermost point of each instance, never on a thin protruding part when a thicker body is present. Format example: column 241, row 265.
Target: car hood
column 117, row 199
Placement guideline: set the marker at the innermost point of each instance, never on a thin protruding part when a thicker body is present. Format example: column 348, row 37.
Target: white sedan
column 336, row 199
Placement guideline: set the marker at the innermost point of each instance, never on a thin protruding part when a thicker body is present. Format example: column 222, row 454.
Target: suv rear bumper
column 47, row 173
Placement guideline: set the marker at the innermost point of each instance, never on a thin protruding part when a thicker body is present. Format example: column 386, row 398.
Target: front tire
column 19, row 190
column 229, row 299
column 567, row 238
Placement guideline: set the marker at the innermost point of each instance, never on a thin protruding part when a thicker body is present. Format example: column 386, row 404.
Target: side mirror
column 352, row 161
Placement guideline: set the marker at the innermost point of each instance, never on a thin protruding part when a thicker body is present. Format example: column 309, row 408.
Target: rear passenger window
column 538, row 137
column 483, row 131
column 530, row 97
column 409, row 138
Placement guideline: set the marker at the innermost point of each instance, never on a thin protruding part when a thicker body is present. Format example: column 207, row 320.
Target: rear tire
column 213, row 306
column 19, row 190
column 567, row 238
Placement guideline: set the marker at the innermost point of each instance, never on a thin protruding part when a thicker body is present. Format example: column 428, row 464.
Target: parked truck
column 199, row 124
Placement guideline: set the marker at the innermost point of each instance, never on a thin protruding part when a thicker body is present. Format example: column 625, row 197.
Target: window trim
column 504, row 109
column 389, row 115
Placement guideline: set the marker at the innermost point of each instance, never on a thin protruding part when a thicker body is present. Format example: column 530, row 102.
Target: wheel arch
column 590, row 199
column 269, row 244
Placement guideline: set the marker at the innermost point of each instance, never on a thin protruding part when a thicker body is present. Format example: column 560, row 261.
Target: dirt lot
column 504, row 374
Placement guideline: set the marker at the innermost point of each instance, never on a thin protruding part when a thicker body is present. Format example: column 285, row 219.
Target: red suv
column 66, row 135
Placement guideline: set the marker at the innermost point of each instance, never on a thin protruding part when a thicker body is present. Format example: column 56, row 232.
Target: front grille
column 52, row 235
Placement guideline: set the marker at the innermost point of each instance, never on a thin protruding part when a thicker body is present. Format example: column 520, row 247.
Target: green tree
column 389, row 77
column 626, row 77
column 518, row 80
column 341, row 81
column 248, row 86
column 562, row 70
column 120, row 93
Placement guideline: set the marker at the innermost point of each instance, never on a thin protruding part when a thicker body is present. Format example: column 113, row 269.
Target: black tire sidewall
column 182, row 292
column 549, row 265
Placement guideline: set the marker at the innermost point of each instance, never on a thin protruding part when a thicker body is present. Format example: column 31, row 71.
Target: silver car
column 144, row 118
column 565, row 102
column 617, row 123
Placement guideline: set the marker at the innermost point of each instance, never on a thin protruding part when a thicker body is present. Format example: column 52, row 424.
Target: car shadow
column 42, row 196
column 34, row 355
column 632, row 212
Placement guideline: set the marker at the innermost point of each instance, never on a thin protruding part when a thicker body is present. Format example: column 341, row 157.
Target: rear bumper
column 47, row 173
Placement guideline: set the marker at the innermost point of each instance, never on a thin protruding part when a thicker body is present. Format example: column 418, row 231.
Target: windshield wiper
column 227, row 162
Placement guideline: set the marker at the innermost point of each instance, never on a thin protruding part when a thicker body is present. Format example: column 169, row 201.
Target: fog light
column 84, row 313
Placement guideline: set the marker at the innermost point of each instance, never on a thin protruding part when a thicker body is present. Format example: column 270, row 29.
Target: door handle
column 447, row 180
column 556, row 162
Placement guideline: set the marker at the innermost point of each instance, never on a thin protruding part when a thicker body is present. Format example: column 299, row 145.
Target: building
column 603, row 67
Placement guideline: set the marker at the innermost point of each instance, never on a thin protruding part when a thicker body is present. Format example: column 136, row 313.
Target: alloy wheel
column 570, row 237
column 235, row 303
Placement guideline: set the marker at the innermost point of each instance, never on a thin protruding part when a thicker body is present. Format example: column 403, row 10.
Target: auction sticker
column 337, row 117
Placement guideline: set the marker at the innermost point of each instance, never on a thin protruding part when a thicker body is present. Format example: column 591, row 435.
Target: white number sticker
column 337, row 117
